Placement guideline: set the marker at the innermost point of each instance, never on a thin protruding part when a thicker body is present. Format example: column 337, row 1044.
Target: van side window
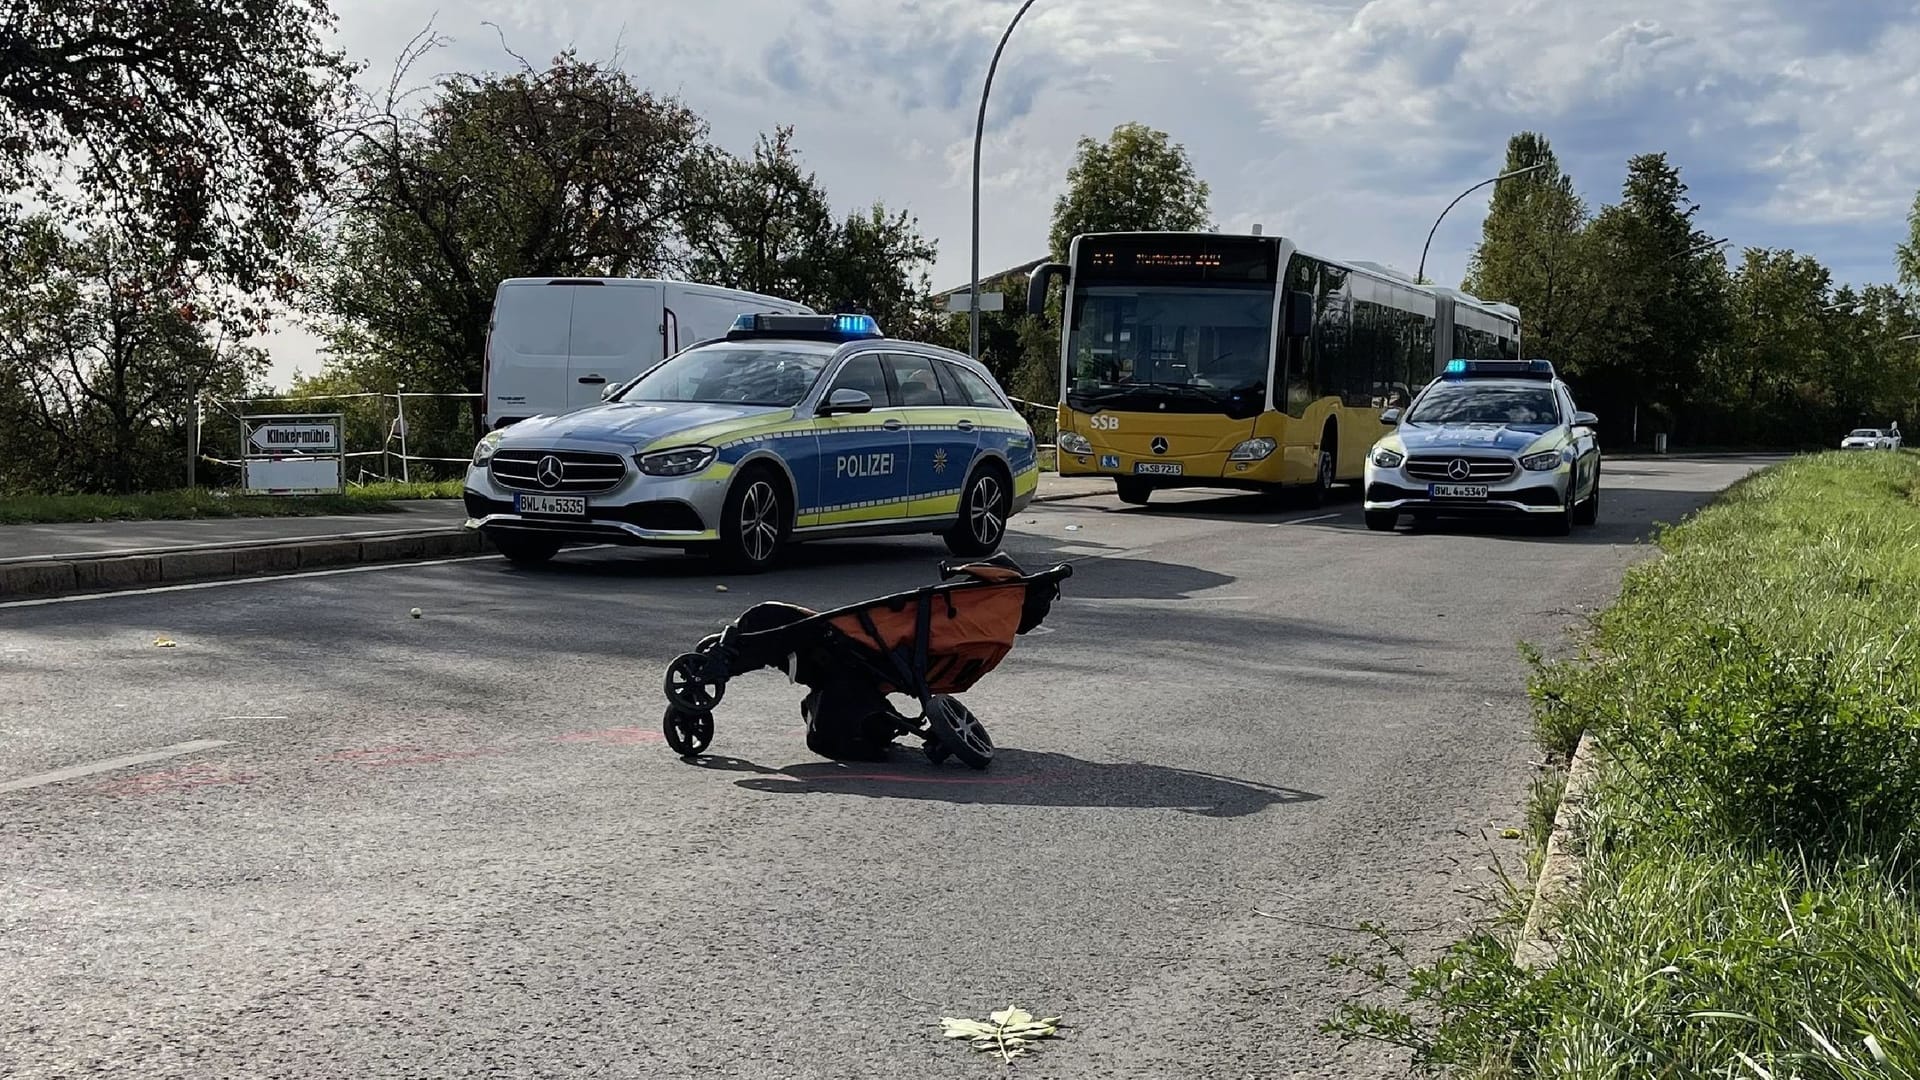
column 863, row 373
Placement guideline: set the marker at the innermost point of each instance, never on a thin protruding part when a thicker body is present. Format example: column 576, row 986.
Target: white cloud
column 1348, row 123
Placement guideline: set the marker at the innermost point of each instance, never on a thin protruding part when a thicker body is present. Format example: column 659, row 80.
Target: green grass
column 1049, row 460
column 1750, row 907
column 210, row 503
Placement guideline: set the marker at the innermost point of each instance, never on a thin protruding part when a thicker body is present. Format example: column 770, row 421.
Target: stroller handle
column 953, row 568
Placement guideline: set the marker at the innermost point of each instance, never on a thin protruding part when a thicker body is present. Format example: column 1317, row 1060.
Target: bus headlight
column 1541, row 462
column 1388, row 459
column 1072, row 442
column 1252, row 450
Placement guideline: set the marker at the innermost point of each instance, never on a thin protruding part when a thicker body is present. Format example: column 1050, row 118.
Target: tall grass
column 1750, row 905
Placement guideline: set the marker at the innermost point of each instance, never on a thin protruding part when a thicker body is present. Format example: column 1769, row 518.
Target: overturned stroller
column 928, row 644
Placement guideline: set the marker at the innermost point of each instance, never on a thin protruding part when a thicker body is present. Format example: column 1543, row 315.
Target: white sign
column 989, row 301
column 291, row 475
column 290, row 437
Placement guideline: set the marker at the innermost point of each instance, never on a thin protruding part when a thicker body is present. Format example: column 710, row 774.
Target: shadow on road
column 1018, row 778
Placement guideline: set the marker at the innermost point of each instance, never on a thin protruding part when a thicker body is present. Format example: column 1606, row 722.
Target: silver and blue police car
column 792, row 427
column 1487, row 437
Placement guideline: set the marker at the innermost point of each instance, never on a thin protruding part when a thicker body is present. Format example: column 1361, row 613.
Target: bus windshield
column 1171, row 349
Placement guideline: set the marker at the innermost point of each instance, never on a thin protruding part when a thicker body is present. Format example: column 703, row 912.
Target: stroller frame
column 850, row 666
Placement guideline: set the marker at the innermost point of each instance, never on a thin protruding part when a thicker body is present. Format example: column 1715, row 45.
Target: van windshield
column 733, row 374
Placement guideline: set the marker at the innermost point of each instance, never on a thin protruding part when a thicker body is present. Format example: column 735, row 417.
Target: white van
column 555, row 344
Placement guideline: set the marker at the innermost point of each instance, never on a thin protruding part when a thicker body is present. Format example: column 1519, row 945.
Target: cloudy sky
column 1347, row 124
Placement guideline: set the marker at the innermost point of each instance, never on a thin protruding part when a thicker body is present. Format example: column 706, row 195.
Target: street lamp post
column 1421, row 274
column 979, row 132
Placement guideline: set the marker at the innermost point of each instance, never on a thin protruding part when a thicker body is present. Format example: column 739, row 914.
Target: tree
column 1654, row 299
column 1908, row 254
column 566, row 171
column 1138, row 179
column 1529, row 253
column 200, row 121
column 765, row 224
column 102, row 353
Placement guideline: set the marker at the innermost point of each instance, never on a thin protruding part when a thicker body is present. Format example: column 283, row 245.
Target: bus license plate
column 551, row 505
column 1158, row 468
column 1457, row 491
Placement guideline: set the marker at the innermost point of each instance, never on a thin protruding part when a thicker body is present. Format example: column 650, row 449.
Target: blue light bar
column 804, row 327
column 1499, row 369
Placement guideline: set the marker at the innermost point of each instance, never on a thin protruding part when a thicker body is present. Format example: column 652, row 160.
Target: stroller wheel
column 688, row 733
column 959, row 731
column 690, row 687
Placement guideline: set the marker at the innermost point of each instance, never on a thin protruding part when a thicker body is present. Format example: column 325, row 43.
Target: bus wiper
column 1185, row 388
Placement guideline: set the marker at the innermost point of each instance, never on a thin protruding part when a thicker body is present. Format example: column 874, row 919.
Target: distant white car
column 1868, row 438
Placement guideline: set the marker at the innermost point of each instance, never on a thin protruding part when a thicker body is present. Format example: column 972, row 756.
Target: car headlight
column 1541, row 462
column 1253, row 450
column 1072, row 442
column 676, row 462
column 1388, row 458
column 483, row 452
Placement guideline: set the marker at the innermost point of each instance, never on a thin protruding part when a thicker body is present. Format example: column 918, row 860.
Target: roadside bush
column 1749, row 906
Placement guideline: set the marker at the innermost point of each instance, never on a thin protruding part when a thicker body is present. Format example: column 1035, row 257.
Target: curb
column 1564, row 869
column 34, row 580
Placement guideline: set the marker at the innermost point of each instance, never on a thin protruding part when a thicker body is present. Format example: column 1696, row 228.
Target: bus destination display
column 1164, row 261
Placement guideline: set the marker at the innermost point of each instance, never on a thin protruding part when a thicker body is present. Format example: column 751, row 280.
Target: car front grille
column 1480, row 470
column 582, row 472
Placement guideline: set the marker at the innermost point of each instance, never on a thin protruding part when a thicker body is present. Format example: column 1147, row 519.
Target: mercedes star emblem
column 1458, row 469
column 1159, row 445
column 549, row 472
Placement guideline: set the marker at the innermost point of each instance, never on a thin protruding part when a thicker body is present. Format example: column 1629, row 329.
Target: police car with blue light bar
column 1487, row 437
column 791, row 427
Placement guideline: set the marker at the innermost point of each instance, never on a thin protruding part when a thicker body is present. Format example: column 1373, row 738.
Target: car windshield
column 1202, row 349
column 733, row 374
column 1865, row 433
column 1470, row 403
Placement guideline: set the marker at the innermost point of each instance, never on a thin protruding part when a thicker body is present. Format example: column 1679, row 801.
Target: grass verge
column 212, row 503
column 1750, row 907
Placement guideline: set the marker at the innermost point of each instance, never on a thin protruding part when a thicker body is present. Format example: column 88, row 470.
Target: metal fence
column 380, row 442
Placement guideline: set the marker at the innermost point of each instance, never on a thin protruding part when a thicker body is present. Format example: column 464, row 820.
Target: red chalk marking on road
column 184, row 778
column 619, row 736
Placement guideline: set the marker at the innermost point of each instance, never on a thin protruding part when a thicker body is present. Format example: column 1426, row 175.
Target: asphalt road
column 456, row 846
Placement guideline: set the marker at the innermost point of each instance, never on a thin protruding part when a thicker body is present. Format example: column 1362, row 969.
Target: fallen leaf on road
column 1509, row 834
column 719, row 588
column 1009, row 1032
column 163, row 643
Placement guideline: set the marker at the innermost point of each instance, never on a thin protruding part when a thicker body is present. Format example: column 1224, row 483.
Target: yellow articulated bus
column 1202, row 360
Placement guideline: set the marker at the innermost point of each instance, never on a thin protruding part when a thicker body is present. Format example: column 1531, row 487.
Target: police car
column 1487, row 437
column 792, row 427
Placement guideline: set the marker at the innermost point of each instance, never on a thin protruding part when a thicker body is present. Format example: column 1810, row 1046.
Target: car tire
column 1131, row 491
column 523, row 550
column 1560, row 523
column 1589, row 511
column 1322, row 492
column 1382, row 520
column 754, row 521
column 985, row 505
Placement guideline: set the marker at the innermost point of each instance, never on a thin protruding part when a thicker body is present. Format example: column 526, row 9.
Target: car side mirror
column 1390, row 417
column 1299, row 320
column 607, row 392
column 1586, row 420
column 847, row 400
